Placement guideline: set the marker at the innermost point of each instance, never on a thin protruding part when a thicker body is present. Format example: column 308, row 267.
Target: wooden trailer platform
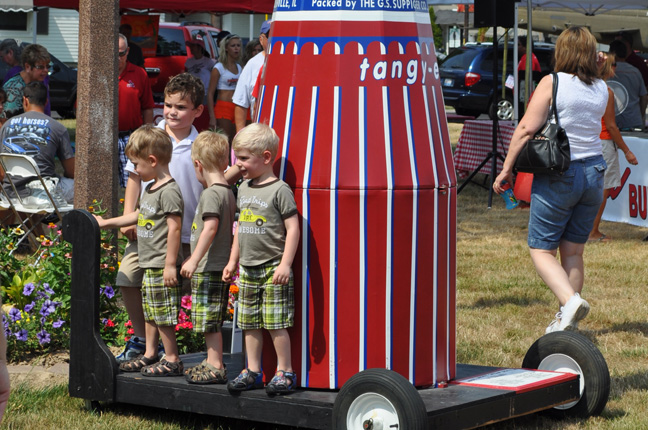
column 95, row 377
column 454, row 407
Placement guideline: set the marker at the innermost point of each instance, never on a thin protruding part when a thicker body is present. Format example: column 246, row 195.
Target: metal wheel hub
column 504, row 110
column 372, row 411
column 565, row 364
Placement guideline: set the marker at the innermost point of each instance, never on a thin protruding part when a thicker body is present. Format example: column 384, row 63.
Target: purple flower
column 47, row 288
column 7, row 332
column 21, row 335
column 43, row 320
column 29, row 307
column 43, row 337
column 15, row 315
column 109, row 292
column 28, row 289
column 104, row 321
column 48, row 308
column 5, row 323
column 58, row 324
column 41, row 295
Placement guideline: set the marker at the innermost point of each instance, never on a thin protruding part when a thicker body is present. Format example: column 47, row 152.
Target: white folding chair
column 22, row 166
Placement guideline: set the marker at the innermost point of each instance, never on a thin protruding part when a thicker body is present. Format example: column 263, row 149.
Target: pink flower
column 130, row 331
column 187, row 324
column 110, row 323
column 186, row 302
column 128, row 323
column 182, row 316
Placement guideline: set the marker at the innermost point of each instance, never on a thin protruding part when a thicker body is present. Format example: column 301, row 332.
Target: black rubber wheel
column 383, row 396
column 503, row 108
column 568, row 350
column 259, row 222
column 467, row 112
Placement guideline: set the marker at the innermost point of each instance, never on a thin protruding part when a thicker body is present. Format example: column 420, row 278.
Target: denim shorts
column 564, row 207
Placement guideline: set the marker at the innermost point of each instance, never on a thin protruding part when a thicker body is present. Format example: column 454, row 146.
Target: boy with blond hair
column 211, row 241
column 159, row 222
column 264, row 244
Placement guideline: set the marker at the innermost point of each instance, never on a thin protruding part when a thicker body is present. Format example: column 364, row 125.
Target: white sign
column 628, row 203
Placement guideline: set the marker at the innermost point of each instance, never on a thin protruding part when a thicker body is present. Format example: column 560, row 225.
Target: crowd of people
column 179, row 205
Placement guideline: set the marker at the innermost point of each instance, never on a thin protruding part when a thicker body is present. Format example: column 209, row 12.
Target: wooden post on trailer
column 92, row 366
column 96, row 149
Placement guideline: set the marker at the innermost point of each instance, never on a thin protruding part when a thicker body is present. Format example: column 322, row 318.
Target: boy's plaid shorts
column 209, row 296
column 263, row 304
column 160, row 303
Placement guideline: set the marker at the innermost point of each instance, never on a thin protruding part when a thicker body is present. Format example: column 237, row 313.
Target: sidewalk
column 38, row 376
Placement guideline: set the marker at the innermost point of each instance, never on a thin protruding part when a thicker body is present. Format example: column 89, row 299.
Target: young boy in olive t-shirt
column 211, row 242
column 159, row 222
column 265, row 242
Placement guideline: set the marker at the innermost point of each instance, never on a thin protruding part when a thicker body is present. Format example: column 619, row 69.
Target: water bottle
column 509, row 197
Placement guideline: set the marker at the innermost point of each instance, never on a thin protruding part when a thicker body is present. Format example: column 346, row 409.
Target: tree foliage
column 436, row 30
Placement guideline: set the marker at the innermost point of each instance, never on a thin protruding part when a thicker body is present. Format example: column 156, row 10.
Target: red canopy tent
column 176, row 6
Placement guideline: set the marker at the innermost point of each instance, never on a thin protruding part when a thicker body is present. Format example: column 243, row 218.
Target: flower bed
column 36, row 296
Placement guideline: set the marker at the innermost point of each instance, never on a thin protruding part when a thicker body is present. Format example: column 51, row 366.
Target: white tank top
column 227, row 79
column 580, row 109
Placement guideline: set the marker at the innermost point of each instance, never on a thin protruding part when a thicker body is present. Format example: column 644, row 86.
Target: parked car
column 62, row 86
column 172, row 51
column 467, row 79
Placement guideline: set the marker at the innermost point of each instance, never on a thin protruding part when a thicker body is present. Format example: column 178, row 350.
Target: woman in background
column 224, row 77
column 563, row 207
column 611, row 140
column 252, row 48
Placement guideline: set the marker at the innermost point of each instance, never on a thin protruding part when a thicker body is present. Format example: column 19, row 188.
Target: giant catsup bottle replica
column 352, row 89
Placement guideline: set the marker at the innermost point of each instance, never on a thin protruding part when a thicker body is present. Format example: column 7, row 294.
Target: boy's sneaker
column 134, row 346
column 283, row 382
column 574, row 310
column 247, row 380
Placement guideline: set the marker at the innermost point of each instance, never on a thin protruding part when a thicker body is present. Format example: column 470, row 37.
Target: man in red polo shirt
column 135, row 103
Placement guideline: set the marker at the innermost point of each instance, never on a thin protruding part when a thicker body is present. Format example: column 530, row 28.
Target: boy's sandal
column 246, row 380
column 207, row 374
column 282, row 382
column 197, row 367
column 137, row 363
column 164, row 368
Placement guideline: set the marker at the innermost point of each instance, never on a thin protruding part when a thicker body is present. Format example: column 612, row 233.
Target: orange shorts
column 224, row 110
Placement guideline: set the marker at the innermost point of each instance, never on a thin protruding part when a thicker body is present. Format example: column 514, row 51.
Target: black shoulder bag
column 548, row 151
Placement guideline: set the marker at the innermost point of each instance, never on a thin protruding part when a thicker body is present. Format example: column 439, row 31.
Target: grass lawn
column 502, row 308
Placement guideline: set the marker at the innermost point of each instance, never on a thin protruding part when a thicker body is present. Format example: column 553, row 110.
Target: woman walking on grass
column 563, row 207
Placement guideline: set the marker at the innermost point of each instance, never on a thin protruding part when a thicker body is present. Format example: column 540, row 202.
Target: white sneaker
column 574, row 310
column 553, row 326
